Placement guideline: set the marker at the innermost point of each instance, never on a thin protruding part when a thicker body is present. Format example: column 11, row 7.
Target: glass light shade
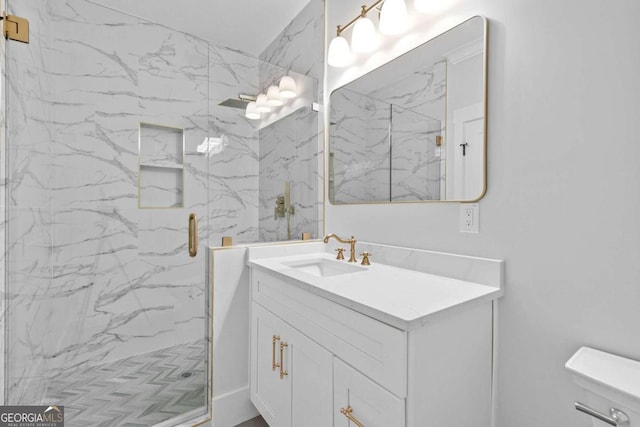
column 393, row 17
column 288, row 87
column 262, row 104
column 429, row 6
column 339, row 53
column 252, row 112
column 273, row 96
column 363, row 38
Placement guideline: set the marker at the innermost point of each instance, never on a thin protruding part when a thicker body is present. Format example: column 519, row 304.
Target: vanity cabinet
column 344, row 367
column 289, row 381
column 356, row 396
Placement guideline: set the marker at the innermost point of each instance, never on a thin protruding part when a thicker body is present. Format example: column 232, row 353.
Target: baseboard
column 233, row 408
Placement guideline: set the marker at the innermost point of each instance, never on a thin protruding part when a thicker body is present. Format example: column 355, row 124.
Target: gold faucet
column 352, row 242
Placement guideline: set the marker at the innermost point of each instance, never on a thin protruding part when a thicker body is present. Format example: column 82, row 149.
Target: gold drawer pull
column 283, row 373
column 347, row 413
column 274, row 365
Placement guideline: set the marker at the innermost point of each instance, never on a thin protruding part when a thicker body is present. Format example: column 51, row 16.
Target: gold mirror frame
column 329, row 197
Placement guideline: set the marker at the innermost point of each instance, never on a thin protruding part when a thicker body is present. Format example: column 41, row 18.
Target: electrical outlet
column 469, row 218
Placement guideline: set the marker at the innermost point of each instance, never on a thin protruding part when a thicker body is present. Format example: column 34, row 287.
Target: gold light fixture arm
column 365, row 9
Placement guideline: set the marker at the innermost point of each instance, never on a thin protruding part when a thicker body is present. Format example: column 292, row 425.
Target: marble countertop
column 397, row 296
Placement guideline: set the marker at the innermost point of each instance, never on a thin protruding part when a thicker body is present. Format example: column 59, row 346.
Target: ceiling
column 247, row 25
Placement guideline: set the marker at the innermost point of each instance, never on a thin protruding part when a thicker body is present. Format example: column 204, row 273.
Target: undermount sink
column 323, row 267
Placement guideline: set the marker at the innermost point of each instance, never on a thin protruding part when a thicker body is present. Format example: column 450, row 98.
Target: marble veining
column 360, row 149
column 290, row 149
column 383, row 143
column 92, row 279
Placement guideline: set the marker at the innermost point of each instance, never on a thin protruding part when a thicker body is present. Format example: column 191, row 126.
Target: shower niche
column 161, row 166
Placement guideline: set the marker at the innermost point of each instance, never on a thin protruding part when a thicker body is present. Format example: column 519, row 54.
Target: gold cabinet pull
column 193, row 235
column 274, row 365
column 283, row 373
column 347, row 412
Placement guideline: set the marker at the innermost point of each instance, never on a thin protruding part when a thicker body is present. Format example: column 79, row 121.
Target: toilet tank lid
column 609, row 370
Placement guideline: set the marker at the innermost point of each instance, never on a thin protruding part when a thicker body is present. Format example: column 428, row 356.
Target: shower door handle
column 193, row 235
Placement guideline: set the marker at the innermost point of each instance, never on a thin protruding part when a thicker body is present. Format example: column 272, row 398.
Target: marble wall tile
column 162, row 77
column 415, row 157
column 406, row 115
column 87, row 284
column 288, row 152
column 28, row 209
column 300, row 45
column 91, row 277
column 291, row 148
column 233, row 177
column 424, row 91
column 360, row 151
column 28, row 279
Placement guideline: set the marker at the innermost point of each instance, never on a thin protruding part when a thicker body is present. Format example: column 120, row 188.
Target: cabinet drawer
column 356, row 396
column 377, row 349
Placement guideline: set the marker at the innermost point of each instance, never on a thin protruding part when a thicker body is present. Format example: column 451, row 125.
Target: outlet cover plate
column 469, row 218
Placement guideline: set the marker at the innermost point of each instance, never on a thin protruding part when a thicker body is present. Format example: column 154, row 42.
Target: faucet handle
column 340, row 253
column 365, row 258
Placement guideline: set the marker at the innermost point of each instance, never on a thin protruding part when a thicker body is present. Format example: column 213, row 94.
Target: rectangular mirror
column 414, row 129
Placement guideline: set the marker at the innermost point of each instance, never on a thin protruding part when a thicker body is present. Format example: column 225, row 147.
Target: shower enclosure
column 113, row 137
column 382, row 152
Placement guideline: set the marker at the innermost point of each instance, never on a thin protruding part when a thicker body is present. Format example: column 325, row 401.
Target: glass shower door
column 107, row 297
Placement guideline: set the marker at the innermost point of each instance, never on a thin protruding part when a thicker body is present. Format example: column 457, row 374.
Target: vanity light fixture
column 274, row 98
column 262, row 104
column 339, row 52
column 363, row 37
column 288, row 87
column 252, row 112
column 393, row 19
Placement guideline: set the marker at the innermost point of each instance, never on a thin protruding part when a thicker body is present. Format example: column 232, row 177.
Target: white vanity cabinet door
column 370, row 404
column 311, row 382
column 269, row 393
column 302, row 395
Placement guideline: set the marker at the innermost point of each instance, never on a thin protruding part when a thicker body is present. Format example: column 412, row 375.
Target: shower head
column 240, row 102
column 234, row 103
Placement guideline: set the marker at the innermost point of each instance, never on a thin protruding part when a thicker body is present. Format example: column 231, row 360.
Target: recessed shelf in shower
column 161, row 166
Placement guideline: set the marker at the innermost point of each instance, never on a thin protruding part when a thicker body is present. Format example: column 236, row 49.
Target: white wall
column 563, row 202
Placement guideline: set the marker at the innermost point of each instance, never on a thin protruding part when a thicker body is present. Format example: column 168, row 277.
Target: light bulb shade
column 262, row 104
column 252, row 112
column 273, row 96
column 393, row 17
column 339, row 53
column 363, row 38
column 288, row 87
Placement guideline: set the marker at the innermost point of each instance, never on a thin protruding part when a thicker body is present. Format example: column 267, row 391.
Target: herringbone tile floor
column 141, row 390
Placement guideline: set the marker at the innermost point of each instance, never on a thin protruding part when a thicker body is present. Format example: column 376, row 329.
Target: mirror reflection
column 413, row 129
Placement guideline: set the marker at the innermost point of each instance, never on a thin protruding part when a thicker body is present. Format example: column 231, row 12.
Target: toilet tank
column 607, row 381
